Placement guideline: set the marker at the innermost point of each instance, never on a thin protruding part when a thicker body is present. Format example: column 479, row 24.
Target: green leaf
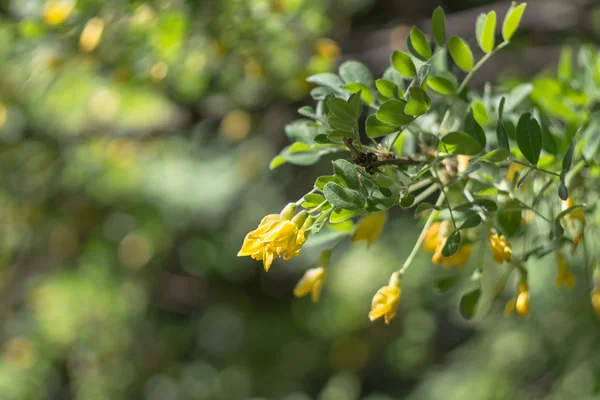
column 442, row 85
column 322, row 139
column 392, row 112
column 512, row 20
column 341, row 197
column 418, row 44
column 445, row 284
column 470, row 222
column 312, row 200
column 376, row 128
column 460, row 143
column 452, row 244
column 301, row 131
column 403, row 64
column 486, row 31
column 565, row 64
column 523, row 179
column 301, row 154
column 326, row 79
column 407, row 201
column 472, row 128
column 276, row 162
column 346, row 173
column 418, row 102
column 354, row 71
column 385, row 87
column 509, row 218
column 365, row 93
column 438, row 26
column 323, row 180
column 568, row 158
column 355, row 104
column 423, row 74
column 563, row 192
column 501, row 135
column 339, row 123
column 341, row 109
column 480, row 113
column 341, row 215
column 460, row 53
column 307, row 111
column 468, row 303
column 479, row 205
column 495, row 156
column 336, row 135
column 529, row 138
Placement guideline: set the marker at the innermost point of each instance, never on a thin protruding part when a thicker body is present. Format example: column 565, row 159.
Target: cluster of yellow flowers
column 501, row 249
column 282, row 236
column 278, row 235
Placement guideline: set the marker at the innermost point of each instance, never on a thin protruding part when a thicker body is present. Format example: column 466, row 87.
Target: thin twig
column 421, row 238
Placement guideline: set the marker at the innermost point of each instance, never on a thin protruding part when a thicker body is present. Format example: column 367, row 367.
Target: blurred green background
column 135, row 138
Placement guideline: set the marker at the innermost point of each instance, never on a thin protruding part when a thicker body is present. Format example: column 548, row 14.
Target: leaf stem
column 446, row 197
column 318, row 207
column 425, row 194
column 421, row 238
column 534, row 167
column 479, row 64
column 418, row 185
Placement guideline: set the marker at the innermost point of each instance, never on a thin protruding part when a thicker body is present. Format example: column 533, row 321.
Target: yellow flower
column 91, row 35
column 458, row 259
column 463, row 163
column 277, row 235
column 432, row 237
column 434, row 241
column 564, row 275
column 311, row 282
column 57, row 11
column 521, row 302
column 501, row 249
column 385, row 301
column 595, row 298
column 327, row 49
column 576, row 214
column 370, row 227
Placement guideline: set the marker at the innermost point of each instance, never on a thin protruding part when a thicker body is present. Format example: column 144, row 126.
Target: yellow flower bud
column 57, row 11
column 327, row 49
column 501, row 248
column 370, row 227
column 91, row 35
column 432, row 237
column 521, row 301
column 311, row 282
column 595, row 298
column 576, row 214
column 385, row 301
column 463, row 162
column 564, row 275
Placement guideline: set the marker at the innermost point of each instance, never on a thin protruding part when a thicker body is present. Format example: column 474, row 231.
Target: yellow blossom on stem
column 434, row 241
column 521, row 301
column 513, row 171
column 595, row 298
column 432, row 237
column 564, row 275
column 278, row 235
column 57, row 11
column 385, row 301
column 576, row 214
column 369, row 228
column 458, row 259
column 311, row 282
column 501, row 248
